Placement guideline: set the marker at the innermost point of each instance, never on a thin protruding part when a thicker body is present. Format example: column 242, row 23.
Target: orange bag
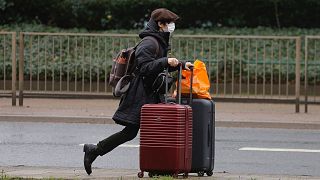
column 200, row 85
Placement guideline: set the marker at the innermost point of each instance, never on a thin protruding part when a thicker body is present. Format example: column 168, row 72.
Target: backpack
column 124, row 68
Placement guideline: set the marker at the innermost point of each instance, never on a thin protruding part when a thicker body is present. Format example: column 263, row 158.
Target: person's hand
column 173, row 62
column 174, row 94
column 188, row 65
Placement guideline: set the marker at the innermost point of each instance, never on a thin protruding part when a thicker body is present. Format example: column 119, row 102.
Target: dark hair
column 163, row 22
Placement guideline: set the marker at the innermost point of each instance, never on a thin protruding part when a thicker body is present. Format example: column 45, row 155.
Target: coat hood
column 152, row 29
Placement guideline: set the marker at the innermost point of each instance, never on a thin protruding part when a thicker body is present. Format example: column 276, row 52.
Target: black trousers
column 111, row 142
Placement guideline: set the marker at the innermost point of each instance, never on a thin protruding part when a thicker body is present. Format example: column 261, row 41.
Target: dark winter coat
column 150, row 65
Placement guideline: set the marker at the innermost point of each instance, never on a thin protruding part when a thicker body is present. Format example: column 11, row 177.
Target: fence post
column 14, row 70
column 298, row 54
column 21, row 68
column 306, row 75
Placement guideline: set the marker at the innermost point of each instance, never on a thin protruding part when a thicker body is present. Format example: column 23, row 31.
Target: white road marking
column 123, row 145
column 54, row 116
column 279, row 150
column 129, row 145
column 83, row 144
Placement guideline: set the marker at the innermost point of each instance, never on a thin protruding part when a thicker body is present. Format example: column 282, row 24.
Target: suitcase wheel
column 150, row 174
column 201, row 173
column 140, row 174
column 209, row 173
column 175, row 175
column 185, row 175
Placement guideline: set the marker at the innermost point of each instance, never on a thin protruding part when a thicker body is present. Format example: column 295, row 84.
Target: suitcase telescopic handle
column 191, row 84
column 166, row 90
column 179, row 85
column 166, row 95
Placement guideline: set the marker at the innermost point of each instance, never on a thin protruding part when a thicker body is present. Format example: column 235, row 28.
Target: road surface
column 238, row 150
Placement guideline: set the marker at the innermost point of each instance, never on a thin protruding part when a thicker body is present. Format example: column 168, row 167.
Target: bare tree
column 276, row 12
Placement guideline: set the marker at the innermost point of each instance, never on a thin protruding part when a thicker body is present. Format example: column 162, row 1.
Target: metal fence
column 254, row 67
column 69, row 63
column 8, row 64
column 245, row 66
column 312, row 70
column 257, row 67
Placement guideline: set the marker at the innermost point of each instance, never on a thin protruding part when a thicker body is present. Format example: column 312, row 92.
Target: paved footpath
column 125, row 174
column 101, row 111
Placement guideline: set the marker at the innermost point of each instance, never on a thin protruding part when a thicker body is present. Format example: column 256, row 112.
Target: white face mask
column 171, row 27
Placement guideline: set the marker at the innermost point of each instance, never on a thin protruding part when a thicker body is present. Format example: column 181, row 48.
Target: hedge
column 132, row 14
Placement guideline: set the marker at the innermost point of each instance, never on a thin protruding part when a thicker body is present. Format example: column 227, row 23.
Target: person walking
column 151, row 60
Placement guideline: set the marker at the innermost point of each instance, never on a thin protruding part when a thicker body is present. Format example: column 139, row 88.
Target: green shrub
column 131, row 14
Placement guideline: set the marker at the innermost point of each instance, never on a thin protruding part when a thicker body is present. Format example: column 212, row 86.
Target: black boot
column 90, row 154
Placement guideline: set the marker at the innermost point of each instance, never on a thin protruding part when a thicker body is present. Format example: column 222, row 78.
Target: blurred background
column 255, row 49
column 197, row 16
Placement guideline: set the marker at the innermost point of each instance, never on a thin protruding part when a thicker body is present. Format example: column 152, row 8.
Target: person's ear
column 160, row 25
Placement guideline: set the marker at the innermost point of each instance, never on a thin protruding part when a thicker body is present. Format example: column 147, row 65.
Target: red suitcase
column 165, row 139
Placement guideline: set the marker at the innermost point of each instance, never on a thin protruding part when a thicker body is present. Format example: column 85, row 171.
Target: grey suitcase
column 203, row 133
column 203, row 142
